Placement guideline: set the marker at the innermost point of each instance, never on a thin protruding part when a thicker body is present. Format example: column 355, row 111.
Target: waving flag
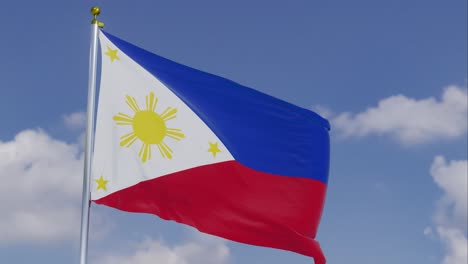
column 201, row 150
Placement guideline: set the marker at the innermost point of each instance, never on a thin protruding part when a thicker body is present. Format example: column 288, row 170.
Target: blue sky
column 390, row 75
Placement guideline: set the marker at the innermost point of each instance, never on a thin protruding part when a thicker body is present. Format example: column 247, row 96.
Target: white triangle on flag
column 125, row 107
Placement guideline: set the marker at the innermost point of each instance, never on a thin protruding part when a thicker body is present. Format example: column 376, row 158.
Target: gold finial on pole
column 95, row 11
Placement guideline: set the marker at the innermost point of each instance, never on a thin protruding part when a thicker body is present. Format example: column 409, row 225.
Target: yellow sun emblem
column 149, row 127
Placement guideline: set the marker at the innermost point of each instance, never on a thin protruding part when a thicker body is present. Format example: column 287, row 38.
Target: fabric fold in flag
column 204, row 151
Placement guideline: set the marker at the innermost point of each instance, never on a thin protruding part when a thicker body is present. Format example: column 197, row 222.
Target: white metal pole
column 86, row 201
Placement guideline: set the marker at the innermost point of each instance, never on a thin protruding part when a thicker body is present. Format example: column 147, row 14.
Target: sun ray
column 132, row 141
column 169, row 113
column 166, row 146
column 160, row 151
column 150, row 148
column 145, row 152
column 128, row 139
column 175, row 133
column 135, row 103
column 123, row 119
column 142, row 148
column 151, row 102
column 132, row 103
column 165, row 150
column 165, row 111
column 148, row 152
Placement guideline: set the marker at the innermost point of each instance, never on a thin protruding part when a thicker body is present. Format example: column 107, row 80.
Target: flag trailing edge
column 204, row 151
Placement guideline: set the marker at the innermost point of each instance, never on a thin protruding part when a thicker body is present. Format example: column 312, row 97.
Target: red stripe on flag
column 232, row 201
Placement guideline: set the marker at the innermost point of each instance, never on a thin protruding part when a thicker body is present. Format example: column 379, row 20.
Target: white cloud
column 41, row 181
column 450, row 216
column 75, row 120
column 456, row 244
column 428, row 232
column 324, row 111
column 410, row 120
column 200, row 250
column 452, row 178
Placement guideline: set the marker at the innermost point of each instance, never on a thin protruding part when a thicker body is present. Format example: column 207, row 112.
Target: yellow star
column 101, row 183
column 112, row 54
column 214, row 149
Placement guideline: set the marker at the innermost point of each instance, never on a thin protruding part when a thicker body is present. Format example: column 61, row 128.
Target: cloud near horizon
column 450, row 216
column 200, row 249
column 75, row 121
column 41, row 180
column 410, row 121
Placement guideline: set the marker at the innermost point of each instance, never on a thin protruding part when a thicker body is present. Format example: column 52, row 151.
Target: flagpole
column 86, row 198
